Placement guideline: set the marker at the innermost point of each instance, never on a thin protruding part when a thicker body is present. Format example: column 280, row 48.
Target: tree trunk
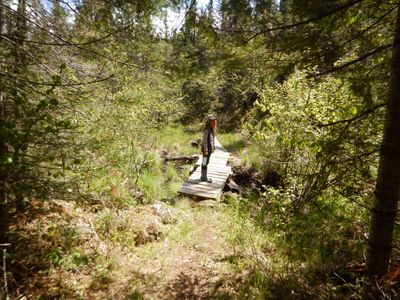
column 3, row 194
column 20, row 68
column 4, row 218
column 3, row 147
column 20, row 34
column 2, row 17
column 58, row 17
column 224, row 16
column 388, row 180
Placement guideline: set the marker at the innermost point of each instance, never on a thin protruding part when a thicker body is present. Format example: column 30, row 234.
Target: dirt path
column 190, row 262
column 187, row 258
column 197, row 268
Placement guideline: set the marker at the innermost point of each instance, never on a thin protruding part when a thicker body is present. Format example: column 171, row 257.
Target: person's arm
column 205, row 142
column 212, row 142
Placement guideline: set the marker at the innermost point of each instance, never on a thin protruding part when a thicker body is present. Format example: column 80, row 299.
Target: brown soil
column 188, row 261
column 196, row 274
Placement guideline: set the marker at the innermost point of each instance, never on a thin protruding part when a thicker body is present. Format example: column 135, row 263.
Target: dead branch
column 183, row 159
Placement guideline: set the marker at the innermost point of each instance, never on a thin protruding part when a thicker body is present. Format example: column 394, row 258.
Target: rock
column 255, row 187
column 163, row 153
column 166, row 214
column 139, row 196
column 152, row 232
column 231, row 186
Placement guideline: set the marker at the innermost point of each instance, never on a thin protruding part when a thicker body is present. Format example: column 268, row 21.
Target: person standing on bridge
column 207, row 146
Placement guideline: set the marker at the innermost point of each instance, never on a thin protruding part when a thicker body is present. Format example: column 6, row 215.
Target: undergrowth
column 261, row 245
column 301, row 254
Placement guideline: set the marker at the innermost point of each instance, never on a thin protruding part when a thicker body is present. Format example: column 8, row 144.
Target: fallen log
column 183, row 159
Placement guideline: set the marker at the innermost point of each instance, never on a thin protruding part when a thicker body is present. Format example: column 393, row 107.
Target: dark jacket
column 208, row 144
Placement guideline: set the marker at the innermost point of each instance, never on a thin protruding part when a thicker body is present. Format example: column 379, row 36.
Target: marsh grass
column 241, row 145
column 232, row 142
column 130, row 168
column 128, row 172
column 175, row 140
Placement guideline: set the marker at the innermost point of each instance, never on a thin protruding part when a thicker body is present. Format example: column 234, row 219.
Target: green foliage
column 286, row 253
column 232, row 142
column 175, row 139
column 128, row 170
column 318, row 216
column 200, row 97
column 103, row 144
column 298, row 124
column 326, row 233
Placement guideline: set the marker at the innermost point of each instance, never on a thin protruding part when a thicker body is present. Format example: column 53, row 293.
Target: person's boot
column 204, row 174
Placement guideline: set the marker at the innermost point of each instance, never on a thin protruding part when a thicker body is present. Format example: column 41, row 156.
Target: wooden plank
column 196, row 187
column 213, row 172
column 196, row 183
column 216, row 157
column 200, row 187
column 213, row 194
column 196, row 179
column 215, row 169
column 200, row 195
column 215, row 183
column 200, row 191
column 195, row 176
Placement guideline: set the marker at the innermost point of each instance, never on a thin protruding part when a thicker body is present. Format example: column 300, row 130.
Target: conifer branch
column 355, row 118
column 354, row 61
column 308, row 21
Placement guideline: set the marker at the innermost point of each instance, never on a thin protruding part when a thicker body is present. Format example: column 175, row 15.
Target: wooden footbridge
column 217, row 170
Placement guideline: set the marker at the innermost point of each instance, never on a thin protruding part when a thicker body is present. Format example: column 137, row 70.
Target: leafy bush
column 319, row 214
column 298, row 131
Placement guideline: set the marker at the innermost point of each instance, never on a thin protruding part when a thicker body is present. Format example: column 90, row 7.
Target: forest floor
column 193, row 250
column 196, row 267
column 111, row 242
column 102, row 248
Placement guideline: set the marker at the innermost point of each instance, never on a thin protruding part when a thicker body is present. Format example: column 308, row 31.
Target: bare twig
column 56, row 84
column 79, row 46
column 138, row 168
column 5, row 268
column 102, row 248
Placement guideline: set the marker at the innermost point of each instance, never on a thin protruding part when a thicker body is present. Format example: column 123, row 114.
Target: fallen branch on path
column 183, row 159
